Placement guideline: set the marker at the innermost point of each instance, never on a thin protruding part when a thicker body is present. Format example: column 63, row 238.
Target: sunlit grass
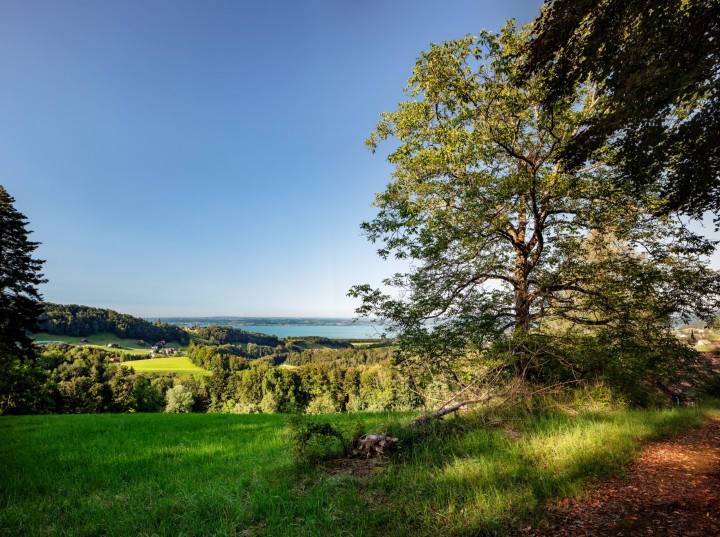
column 483, row 481
column 180, row 365
column 145, row 474
column 209, row 474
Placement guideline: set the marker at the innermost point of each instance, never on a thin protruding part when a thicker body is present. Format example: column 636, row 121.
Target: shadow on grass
column 232, row 475
column 155, row 474
column 477, row 481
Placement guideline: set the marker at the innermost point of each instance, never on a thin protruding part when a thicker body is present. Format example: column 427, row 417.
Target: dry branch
column 447, row 410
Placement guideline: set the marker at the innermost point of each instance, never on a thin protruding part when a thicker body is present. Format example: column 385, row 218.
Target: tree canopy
column 500, row 236
column 74, row 320
column 657, row 69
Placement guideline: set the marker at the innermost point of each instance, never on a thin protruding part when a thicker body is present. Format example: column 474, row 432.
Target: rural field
column 173, row 364
column 220, row 474
column 101, row 340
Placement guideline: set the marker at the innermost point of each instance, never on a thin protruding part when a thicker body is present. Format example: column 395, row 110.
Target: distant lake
column 282, row 327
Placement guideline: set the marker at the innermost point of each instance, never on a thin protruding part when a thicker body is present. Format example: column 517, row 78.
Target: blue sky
column 207, row 158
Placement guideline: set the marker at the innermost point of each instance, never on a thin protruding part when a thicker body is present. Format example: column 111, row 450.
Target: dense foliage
column 657, row 67
column 363, row 356
column 83, row 380
column 74, row 320
column 19, row 310
column 312, row 388
column 510, row 251
column 219, row 335
column 316, row 341
column 202, row 355
column 313, row 381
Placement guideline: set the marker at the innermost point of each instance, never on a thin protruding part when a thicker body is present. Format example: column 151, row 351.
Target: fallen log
column 447, row 410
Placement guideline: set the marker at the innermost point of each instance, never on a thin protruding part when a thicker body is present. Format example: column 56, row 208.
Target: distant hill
column 83, row 321
column 221, row 335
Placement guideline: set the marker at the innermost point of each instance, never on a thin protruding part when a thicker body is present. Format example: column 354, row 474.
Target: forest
column 74, row 320
column 83, row 380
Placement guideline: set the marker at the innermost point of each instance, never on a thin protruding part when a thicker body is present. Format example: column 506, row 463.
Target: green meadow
column 220, row 474
column 172, row 364
column 127, row 346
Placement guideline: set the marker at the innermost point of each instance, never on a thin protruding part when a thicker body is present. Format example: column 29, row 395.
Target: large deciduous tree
column 503, row 240
column 657, row 67
column 20, row 308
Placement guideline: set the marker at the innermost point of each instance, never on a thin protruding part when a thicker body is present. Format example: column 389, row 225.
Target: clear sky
column 206, row 157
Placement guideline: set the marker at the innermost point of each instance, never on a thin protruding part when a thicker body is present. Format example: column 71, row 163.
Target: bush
column 313, row 441
column 179, row 399
column 231, row 406
column 322, row 404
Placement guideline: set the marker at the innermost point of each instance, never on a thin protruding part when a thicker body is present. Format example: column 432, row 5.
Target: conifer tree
column 20, row 308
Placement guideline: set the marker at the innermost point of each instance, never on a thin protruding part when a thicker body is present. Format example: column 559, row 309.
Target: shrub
column 179, row 399
column 313, row 441
column 231, row 406
column 322, row 404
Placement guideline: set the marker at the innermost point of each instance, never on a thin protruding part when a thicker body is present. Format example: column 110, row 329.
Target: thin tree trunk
column 522, row 315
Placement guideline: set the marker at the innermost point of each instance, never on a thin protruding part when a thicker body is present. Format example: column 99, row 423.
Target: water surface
column 282, row 327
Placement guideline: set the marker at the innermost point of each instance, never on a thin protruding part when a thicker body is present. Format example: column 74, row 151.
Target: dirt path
column 672, row 489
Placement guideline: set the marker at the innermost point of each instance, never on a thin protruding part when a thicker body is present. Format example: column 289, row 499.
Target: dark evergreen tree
column 19, row 310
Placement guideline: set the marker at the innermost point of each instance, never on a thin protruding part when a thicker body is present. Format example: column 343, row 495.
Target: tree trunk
column 522, row 315
column 446, row 410
column 522, row 294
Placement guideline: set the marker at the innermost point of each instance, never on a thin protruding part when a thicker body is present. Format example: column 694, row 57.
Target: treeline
column 205, row 355
column 83, row 380
column 345, row 356
column 314, row 389
column 322, row 341
column 221, row 335
column 82, row 321
column 212, row 357
column 313, row 381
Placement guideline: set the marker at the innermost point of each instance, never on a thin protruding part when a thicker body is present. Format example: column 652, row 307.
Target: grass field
column 211, row 474
column 127, row 346
column 179, row 365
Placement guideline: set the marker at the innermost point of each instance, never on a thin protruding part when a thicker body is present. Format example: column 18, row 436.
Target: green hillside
column 126, row 346
column 84, row 321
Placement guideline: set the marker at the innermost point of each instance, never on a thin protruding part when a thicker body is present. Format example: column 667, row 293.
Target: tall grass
column 473, row 480
column 212, row 474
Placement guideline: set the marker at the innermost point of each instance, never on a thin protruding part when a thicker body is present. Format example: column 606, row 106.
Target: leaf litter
column 671, row 489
